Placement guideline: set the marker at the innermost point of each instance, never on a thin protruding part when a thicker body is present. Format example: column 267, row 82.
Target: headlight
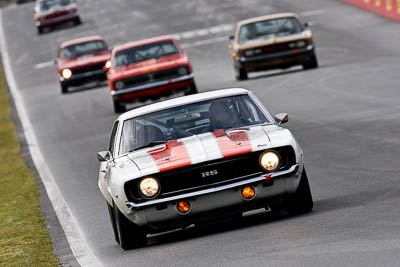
column 301, row 43
column 119, row 85
column 66, row 73
column 182, row 71
column 108, row 64
column 269, row 161
column 249, row 53
column 149, row 187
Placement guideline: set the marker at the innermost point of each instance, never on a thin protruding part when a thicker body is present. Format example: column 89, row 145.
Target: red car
column 82, row 60
column 148, row 69
column 50, row 13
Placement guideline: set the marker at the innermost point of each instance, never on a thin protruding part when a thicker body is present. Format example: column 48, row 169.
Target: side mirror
column 231, row 37
column 55, row 61
column 104, row 156
column 110, row 48
column 306, row 24
column 281, row 118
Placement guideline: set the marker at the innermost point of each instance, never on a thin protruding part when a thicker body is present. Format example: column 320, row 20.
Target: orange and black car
column 277, row 41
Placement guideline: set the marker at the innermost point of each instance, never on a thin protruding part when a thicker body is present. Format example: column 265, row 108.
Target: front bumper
column 270, row 61
column 226, row 199
column 153, row 88
column 81, row 78
column 57, row 20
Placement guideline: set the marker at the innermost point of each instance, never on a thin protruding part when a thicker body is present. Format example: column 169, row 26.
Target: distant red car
column 82, row 60
column 148, row 69
column 50, row 13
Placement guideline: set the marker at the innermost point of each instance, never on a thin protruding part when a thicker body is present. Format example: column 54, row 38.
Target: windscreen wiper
column 153, row 143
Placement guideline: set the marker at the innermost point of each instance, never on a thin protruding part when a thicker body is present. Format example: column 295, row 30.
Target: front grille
column 149, row 77
column 229, row 170
column 89, row 68
column 276, row 48
column 56, row 14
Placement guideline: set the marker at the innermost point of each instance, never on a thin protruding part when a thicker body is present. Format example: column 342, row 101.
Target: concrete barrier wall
column 387, row 8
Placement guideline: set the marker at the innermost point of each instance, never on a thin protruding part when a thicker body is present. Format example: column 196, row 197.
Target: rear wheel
column 129, row 234
column 240, row 74
column 300, row 201
column 311, row 64
column 119, row 107
column 64, row 88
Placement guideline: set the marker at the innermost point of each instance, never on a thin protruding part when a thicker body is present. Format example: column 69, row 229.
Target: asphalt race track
column 345, row 115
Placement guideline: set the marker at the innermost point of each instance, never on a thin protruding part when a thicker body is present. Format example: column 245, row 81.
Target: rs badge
column 209, row 173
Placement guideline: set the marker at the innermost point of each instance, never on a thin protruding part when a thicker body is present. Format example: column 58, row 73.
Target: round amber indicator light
column 183, row 206
column 248, row 192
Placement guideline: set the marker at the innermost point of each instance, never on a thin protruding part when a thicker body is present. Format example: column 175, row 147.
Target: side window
column 112, row 138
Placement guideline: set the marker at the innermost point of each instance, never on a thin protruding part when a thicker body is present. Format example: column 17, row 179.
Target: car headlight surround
column 119, row 85
column 182, row 71
column 149, row 187
column 66, row 73
column 270, row 160
column 301, row 43
column 249, row 53
column 108, row 64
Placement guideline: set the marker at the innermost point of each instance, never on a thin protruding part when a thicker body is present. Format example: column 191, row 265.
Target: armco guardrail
column 387, row 8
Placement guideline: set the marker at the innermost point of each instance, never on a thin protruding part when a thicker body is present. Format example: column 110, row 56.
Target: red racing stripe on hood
column 235, row 143
column 173, row 155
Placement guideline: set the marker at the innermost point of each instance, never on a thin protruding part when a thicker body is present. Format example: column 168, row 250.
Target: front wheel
column 129, row 234
column 312, row 63
column 78, row 21
column 300, row 201
column 191, row 90
column 240, row 74
column 119, row 107
column 112, row 219
column 64, row 88
column 39, row 30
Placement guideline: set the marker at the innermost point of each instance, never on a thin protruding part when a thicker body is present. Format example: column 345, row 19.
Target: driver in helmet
column 221, row 115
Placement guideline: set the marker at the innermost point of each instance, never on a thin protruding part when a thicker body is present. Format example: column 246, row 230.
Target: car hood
column 149, row 66
column 200, row 148
column 84, row 60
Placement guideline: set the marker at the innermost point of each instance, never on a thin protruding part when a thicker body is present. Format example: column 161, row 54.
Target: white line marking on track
column 312, row 13
column 44, row 65
column 76, row 239
column 204, row 32
column 206, row 42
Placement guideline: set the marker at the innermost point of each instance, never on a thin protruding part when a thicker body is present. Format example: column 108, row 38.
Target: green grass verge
column 24, row 240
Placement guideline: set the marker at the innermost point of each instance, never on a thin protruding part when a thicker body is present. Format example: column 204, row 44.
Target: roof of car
column 179, row 101
column 267, row 17
column 81, row 40
column 144, row 41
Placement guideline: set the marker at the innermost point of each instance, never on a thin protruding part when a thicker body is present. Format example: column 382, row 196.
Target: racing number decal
column 173, row 155
column 232, row 144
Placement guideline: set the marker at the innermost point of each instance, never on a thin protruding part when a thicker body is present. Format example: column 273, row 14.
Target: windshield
column 80, row 49
column 268, row 28
column 145, row 52
column 188, row 120
column 46, row 5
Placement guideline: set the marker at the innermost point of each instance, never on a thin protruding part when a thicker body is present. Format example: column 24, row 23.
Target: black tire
column 39, row 30
column 112, row 219
column 119, row 107
column 129, row 235
column 311, row 64
column 192, row 89
column 240, row 74
column 78, row 21
column 300, row 201
column 64, row 88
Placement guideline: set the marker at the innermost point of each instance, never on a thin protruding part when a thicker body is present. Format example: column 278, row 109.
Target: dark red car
column 50, row 13
column 82, row 60
column 148, row 69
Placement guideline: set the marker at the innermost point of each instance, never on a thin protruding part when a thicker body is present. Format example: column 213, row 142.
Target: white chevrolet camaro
column 195, row 158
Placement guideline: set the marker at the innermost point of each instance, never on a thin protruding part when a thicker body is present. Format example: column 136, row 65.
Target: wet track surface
column 344, row 114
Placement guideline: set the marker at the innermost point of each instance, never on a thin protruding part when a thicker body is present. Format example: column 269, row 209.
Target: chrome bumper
column 224, row 196
column 151, row 85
